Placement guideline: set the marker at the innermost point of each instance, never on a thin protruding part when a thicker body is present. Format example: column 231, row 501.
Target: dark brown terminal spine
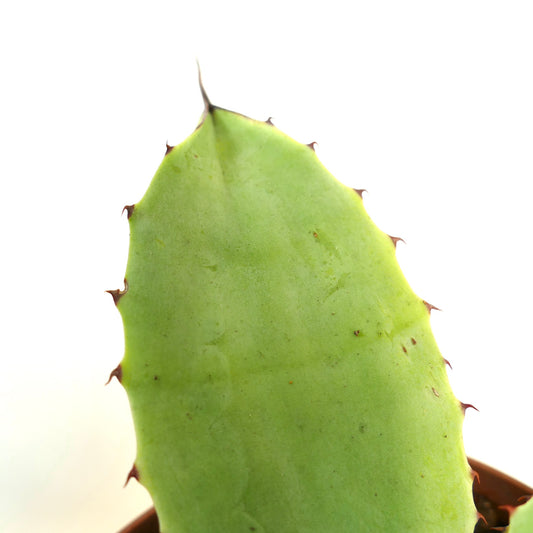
column 208, row 106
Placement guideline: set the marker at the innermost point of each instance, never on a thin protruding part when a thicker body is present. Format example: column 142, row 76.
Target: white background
column 427, row 105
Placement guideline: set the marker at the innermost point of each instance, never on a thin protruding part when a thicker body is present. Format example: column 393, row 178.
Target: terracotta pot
column 493, row 491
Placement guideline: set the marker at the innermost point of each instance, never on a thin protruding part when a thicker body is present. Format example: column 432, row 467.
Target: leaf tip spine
column 208, row 106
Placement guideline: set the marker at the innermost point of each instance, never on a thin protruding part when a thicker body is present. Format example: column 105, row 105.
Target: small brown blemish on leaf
column 169, row 149
column 156, row 378
column 115, row 373
column 291, row 382
column 315, row 234
column 435, row 392
column 117, row 293
column 413, row 341
column 129, row 209
column 133, row 473
column 357, row 332
column 312, row 145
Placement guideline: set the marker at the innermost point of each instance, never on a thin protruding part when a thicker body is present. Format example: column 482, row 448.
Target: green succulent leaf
column 282, row 374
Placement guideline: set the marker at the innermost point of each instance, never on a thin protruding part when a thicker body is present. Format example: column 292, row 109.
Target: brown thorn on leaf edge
column 360, row 192
column 312, row 145
column 117, row 293
column 133, row 473
column 395, row 240
column 446, row 362
column 168, row 148
column 430, row 307
column 115, row 373
column 481, row 517
column 465, row 406
column 269, row 121
column 129, row 209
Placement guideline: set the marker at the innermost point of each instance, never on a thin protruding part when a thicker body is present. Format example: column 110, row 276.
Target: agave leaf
column 282, row 374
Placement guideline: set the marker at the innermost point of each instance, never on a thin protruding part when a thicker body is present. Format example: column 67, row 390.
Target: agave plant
column 281, row 372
